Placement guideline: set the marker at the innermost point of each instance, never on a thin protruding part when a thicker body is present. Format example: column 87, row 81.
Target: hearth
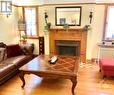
column 67, row 47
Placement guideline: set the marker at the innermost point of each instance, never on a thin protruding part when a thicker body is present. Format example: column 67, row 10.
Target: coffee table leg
column 74, row 82
column 21, row 75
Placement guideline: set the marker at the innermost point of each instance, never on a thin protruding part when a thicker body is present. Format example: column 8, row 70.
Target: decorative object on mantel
column 66, row 26
column 87, row 27
column 47, row 24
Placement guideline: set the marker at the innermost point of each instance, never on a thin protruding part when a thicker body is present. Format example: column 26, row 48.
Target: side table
column 41, row 45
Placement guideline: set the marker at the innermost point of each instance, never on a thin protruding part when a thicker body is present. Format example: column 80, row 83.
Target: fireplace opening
column 64, row 47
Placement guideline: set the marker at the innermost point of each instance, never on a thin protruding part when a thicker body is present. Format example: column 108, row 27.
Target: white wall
column 8, row 26
column 95, row 35
column 28, row 2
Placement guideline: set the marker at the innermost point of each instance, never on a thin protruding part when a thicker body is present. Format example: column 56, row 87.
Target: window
column 109, row 28
column 30, row 16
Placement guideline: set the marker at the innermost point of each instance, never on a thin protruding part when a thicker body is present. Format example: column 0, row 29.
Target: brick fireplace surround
column 68, row 35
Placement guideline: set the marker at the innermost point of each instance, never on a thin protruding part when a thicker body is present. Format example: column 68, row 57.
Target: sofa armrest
column 2, row 45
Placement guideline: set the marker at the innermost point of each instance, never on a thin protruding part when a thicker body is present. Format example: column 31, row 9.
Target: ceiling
column 41, row 2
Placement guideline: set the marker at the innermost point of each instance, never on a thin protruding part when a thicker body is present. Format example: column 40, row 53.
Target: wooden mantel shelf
column 71, row 34
column 69, row 29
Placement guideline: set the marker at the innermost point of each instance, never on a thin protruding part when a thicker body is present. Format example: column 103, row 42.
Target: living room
column 92, row 13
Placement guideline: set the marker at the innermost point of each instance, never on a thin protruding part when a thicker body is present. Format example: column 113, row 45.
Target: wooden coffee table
column 65, row 67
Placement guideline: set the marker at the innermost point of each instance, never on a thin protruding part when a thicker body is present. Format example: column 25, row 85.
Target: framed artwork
column 62, row 21
column 6, row 6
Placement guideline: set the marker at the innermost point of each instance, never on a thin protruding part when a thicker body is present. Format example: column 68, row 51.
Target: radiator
column 106, row 53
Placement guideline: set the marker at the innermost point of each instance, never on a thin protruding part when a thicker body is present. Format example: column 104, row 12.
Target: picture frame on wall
column 62, row 21
column 6, row 6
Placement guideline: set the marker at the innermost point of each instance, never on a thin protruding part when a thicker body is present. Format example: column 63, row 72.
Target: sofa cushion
column 107, row 64
column 27, row 48
column 5, row 69
column 14, row 50
column 2, row 54
column 17, row 61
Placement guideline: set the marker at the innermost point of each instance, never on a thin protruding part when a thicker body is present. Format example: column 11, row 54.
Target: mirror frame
column 69, row 7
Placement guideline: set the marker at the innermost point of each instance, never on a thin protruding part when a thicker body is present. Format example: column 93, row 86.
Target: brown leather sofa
column 14, row 58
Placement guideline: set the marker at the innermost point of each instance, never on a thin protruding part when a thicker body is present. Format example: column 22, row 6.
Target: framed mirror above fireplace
column 68, row 15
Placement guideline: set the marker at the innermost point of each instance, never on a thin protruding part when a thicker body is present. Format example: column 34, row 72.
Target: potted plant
column 65, row 26
column 48, row 25
column 23, row 39
column 87, row 27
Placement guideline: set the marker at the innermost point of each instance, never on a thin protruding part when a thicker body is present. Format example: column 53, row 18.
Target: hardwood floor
column 90, row 82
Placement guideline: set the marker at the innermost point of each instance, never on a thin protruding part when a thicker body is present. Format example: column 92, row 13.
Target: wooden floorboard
column 90, row 82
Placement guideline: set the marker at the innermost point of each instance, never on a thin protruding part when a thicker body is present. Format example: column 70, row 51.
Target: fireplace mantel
column 70, row 34
column 69, row 29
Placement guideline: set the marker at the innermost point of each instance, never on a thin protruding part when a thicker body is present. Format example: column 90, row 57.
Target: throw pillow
column 2, row 54
column 13, row 50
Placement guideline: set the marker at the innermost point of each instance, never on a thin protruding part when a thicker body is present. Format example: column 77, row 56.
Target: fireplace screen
column 64, row 47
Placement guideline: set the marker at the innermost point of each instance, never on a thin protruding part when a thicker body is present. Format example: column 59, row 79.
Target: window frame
column 37, row 25
column 105, row 24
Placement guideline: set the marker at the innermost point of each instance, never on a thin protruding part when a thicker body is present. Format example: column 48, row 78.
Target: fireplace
column 68, row 42
column 66, row 47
